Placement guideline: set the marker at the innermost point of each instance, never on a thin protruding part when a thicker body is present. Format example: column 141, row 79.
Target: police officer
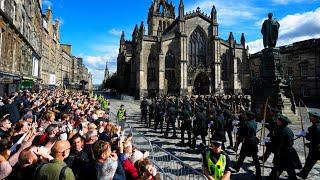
column 122, row 116
column 313, row 136
column 216, row 163
column 248, row 130
column 186, row 125
column 144, row 110
column 285, row 156
column 172, row 115
column 200, row 126
column 159, row 114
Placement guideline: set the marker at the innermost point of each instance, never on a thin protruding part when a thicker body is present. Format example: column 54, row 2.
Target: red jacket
column 130, row 170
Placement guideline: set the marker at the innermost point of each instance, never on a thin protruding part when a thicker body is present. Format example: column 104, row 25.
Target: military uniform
column 313, row 136
column 228, row 120
column 218, row 128
column 171, row 115
column 159, row 115
column 271, row 120
column 285, row 157
column 144, row 110
column 152, row 108
column 200, row 126
column 186, row 122
column 248, row 130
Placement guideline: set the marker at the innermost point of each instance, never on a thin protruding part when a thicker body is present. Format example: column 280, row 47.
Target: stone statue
column 270, row 31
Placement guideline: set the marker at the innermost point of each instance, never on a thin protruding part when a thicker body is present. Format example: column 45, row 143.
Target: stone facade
column 20, row 44
column 30, row 51
column 300, row 65
column 181, row 55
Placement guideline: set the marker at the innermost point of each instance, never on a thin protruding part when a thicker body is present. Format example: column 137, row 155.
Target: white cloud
column 284, row 2
column 47, row 3
column 293, row 28
column 96, row 64
column 115, row 32
column 229, row 12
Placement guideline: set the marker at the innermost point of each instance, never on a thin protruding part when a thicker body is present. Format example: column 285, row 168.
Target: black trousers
column 158, row 121
column 276, row 172
column 186, row 126
column 230, row 138
column 172, row 123
column 203, row 135
column 151, row 116
column 311, row 160
column 253, row 154
column 144, row 117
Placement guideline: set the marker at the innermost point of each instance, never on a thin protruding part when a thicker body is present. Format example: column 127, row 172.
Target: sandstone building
column 181, row 55
column 30, row 50
column 300, row 63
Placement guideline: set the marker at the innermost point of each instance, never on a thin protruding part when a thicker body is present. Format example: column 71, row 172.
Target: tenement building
column 181, row 55
column 300, row 63
column 20, row 44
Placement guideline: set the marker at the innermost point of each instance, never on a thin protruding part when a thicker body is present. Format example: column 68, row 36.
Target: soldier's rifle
column 303, row 138
column 264, row 132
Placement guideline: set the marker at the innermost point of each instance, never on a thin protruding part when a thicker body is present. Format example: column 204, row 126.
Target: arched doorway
column 170, row 75
column 201, row 84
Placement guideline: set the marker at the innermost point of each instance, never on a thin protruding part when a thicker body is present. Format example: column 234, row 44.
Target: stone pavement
column 193, row 158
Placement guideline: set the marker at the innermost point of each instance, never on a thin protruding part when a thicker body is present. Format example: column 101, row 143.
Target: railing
column 169, row 166
column 173, row 166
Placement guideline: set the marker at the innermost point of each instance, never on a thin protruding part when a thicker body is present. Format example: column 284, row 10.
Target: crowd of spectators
column 59, row 135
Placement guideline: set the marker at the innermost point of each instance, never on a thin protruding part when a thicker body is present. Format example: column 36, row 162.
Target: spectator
column 5, row 126
column 57, row 168
column 90, row 138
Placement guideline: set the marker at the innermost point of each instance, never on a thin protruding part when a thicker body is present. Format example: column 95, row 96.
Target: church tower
column 161, row 15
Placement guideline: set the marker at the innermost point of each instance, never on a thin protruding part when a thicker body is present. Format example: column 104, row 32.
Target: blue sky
column 93, row 27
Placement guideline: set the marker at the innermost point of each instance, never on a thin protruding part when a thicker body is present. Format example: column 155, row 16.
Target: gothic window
column 161, row 9
column 304, row 91
column 197, row 48
column 290, row 71
column 151, row 69
column 170, row 66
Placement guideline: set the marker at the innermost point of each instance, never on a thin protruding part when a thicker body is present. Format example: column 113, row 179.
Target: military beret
column 314, row 114
column 216, row 141
column 284, row 119
column 250, row 113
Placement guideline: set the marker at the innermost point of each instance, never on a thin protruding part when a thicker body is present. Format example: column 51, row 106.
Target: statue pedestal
column 269, row 85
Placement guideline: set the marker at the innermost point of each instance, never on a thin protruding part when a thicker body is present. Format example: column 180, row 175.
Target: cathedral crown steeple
column 181, row 10
column 243, row 40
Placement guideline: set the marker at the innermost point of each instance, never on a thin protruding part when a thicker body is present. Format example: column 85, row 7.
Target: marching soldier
column 122, row 116
column 228, row 117
column 144, row 110
column 186, row 121
column 152, row 108
column 248, row 130
column 313, row 135
column 200, row 126
column 271, row 120
column 159, row 115
column 285, row 157
column 216, row 163
column 172, row 115
column 218, row 128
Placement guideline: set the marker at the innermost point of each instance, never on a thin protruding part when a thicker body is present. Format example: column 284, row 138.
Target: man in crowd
column 57, row 168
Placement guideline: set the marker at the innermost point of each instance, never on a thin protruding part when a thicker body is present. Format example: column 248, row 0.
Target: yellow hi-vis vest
column 121, row 113
column 216, row 170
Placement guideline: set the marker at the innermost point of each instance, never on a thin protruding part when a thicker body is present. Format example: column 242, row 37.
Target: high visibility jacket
column 121, row 114
column 216, row 169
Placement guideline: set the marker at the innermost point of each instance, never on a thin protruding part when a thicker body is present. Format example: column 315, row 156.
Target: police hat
column 216, row 141
column 121, row 105
column 284, row 119
column 314, row 114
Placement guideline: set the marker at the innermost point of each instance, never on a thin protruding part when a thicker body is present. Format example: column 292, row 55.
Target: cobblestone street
column 193, row 158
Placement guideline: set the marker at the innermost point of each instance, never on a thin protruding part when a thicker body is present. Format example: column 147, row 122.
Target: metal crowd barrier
column 173, row 166
column 169, row 166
